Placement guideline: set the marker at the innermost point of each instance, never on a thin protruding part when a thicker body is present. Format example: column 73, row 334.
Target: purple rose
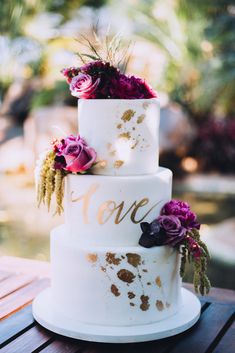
column 77, row 154
column 70, row 72
column 83, row 86
column 175, row 233
column 130, row 87
column 181, row 210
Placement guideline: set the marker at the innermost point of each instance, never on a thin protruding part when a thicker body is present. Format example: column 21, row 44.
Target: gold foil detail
column 127, row 115
column 132, row 304
column 126, row 276
column 118, row 164
column 108, row 207
column 133, row 259
column 135, row 144
column 125, row 135
column 103, row 269
column 159, row 305
column 144, row 302
column 140, row 118
column 146, row 105
column 158, row 281
column 131, row 295
column 119, row 126
column 92, row 257
column 101, row 164
column 86, row 201
column 145, row 270
column 142, row 203
column 112, row 153
column 112, row 259
column 114, row 289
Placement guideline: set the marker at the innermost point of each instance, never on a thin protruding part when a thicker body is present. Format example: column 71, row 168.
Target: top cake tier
column 124, row 133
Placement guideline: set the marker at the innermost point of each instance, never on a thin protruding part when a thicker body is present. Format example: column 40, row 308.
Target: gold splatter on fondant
column 148, row 283
column 131, row 295
column 145, row 105
column 135, row 144
column 126, row 276
column 133, row 259
column 115, row 290
column 112, row 259
column 119, row 126
column 132, row 304
column 159, row 305
column 145, row 270
column 140, row 118
column 127, row 115
column 112, row 153
column 168, row 304
column 122, row 256
column 125, row 135
column 103, row 268
column 158, row 281
column 144, row 302
column 101, row 164
column 92, row 257
column 118, row 164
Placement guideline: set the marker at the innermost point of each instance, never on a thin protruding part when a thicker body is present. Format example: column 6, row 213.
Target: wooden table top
column 22, row 279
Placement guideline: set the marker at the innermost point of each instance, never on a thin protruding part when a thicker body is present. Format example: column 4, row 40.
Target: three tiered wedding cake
column 116, row 261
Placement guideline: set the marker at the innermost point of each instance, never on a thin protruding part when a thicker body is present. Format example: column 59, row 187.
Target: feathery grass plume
column 59, row 190
column 42, row 183
column 107, row 48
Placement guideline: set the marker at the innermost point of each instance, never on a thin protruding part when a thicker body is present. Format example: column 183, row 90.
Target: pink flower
column 70, row 72
column 82, row 86
column 78, row 156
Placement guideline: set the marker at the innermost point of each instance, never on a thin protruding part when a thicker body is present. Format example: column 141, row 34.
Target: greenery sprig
column 200, row 280
column 50, row 181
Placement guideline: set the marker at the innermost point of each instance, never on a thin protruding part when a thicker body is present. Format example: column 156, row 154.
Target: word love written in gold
column 110, row 207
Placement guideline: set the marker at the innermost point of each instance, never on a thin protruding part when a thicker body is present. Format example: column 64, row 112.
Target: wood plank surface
column 227, row 342
column 29, row 341
column 22, row 297
column 16, row 324
column 14, row 282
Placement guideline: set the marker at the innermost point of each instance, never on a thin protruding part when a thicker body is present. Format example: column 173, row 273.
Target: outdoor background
column 184, row 49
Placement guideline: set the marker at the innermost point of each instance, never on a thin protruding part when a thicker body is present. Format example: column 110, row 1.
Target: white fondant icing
column 83, row 280
column 106, row 211
column 124, row 133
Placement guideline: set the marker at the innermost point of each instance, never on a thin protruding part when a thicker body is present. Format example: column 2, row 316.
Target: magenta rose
column 181, row 210
column 130, row 87
column 78, row 156
column 175, row 233
column 83, row 86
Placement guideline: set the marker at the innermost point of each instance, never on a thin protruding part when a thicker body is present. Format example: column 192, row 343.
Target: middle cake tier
column 107, row 210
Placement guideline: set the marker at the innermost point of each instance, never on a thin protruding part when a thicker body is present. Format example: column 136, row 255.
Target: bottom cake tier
column 114, row 286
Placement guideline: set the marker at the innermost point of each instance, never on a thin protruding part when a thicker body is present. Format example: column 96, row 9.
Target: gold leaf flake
column 124, row 135
column 119, row 126
column 144, row 302
column 118, row 164
column 158, row 281
column 127, row 115
column 159, row 305
column 140, row 119
column 92, row 257
column 126, row 276
column 115, row 290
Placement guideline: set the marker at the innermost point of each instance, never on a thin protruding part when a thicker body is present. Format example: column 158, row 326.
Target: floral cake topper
column 177, row 226
column 68, row 155
column 100, row 78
